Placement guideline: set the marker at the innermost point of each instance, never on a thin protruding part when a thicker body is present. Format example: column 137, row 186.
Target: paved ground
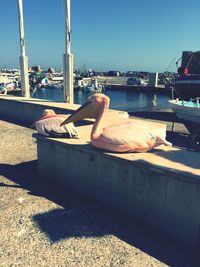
column 42, row 224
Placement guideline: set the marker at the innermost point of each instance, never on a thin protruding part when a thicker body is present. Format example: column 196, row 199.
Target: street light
column 68, row 59
column 23, row 59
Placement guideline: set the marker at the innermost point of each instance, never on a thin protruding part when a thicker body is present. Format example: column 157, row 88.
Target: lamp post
column 68, row 59
column 23, row 59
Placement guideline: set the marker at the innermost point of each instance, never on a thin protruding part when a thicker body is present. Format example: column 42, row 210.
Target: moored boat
column 189, row 113
column 3, row 90
column 187, row 82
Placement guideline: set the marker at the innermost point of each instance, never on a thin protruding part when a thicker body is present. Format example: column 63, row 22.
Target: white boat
column 54, row 85
column 94, row 89
column 186, row 110
column 189, row 113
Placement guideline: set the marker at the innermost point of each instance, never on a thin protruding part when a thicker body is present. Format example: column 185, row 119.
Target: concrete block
column 144, row 185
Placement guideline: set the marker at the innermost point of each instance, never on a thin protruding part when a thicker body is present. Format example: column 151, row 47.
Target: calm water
column 121, row 100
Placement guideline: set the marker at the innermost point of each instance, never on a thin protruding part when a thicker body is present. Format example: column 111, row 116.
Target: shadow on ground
column 79, row 216
column 178, row 139
column 157, row 115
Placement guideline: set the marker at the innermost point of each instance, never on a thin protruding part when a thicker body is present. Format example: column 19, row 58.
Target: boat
column 94, row 89
column 3, row 90
column 186, row 95
column 89, row 85
column 187, row 81
column 81, row 83
column 54, row 85
column 189, row 113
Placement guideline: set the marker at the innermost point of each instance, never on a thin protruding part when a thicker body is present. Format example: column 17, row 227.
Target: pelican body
column 115, row 134
column 49, row 125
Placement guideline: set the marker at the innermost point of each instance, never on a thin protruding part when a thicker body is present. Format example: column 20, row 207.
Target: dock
column 147, row 89
column 120, row 83
column 160, row 188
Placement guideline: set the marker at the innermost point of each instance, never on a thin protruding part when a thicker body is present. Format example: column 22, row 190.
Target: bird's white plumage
column 51, row 125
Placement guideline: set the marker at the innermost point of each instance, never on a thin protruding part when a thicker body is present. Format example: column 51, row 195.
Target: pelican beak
column 85, row 111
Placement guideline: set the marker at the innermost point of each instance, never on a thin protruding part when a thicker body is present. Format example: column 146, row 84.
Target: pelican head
column 48, row 112
column 90, row 109
column 45, row 114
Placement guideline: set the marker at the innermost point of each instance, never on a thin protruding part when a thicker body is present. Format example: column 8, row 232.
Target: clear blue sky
column 106, row 35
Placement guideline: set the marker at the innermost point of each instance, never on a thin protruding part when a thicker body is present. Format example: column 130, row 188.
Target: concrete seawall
column 159, row 187
column 162, row 187
column 26, row 111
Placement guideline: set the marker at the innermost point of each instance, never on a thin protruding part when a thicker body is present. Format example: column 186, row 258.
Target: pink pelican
column 49, row 125
column 117, row 134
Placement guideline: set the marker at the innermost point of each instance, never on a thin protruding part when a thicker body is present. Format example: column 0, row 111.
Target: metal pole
column 23, row 59
column 68, row 59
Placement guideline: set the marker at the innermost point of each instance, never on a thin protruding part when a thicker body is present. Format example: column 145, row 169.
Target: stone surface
column 42, row 224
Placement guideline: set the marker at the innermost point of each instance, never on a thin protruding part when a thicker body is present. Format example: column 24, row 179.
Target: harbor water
column 120, row 100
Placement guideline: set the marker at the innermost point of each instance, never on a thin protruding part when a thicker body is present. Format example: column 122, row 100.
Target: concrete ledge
column 26, row 111
column 162, row 187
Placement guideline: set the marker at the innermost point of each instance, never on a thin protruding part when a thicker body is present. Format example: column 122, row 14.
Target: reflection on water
column 121, row 100
column 154, row 100
column 49, row 94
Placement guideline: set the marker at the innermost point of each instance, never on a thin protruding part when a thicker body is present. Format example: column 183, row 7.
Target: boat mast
column 68, row 59
column 23, row 59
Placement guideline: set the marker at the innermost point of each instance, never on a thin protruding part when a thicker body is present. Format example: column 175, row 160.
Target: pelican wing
column 51, row 127
column 135, row 135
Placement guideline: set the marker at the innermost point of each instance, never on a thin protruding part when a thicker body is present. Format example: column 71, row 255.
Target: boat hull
column 187, row 89
column 188, row 112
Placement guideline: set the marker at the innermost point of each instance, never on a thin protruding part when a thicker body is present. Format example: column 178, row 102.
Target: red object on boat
column 185, row 71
